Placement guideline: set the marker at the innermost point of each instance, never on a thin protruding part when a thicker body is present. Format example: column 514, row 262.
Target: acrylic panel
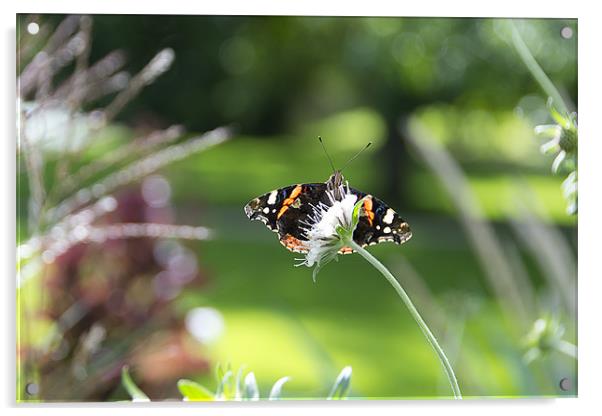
column 295, row 208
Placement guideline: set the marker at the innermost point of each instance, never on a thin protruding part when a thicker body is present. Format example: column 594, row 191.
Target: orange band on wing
column 290, row 200
column 294, row 244
column 368, row 210
column 282, row 211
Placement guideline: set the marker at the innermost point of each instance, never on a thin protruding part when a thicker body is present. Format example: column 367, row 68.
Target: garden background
column 111, row 115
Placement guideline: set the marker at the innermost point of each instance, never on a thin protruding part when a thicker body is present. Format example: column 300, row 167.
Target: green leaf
column 323, row 261
column 277, row 388
column 355, row 218
column 571, row 208
column 133, row 390
column 193, row 391
column 225, row 389
column 548, row 131
column 559, row 118
column 219, row 373
column 229, row 387
column 237, row 384
column 531, row 355
column 550, row 147
column 251, row 391
column 314, row 274
column 569, row 185
column 558, row 161
column 341, row 385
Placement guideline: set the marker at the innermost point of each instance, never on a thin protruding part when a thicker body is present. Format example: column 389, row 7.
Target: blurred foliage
column 231, row 387
column 97, row 264
column 281, row 82
column 546, row 336
column 562, row 142
column 461, row 75
column 254, row 72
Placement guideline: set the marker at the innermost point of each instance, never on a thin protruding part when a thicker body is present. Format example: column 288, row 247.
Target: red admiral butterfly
column 286, row 211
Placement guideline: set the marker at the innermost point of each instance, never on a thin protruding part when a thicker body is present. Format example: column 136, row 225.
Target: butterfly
column 288, row 210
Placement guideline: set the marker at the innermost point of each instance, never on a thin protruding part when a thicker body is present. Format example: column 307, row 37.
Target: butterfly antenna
column 327, row 155
column 357, row 154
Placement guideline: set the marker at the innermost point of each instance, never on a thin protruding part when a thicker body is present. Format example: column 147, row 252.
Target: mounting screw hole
column 565, row 384
column 32, row 389
column 566, row 32
column 33, row 28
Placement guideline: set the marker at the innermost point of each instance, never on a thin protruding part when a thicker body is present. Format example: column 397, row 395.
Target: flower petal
column 558, row 161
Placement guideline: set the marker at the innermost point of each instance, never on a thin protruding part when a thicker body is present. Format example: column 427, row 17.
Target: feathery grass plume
column 138, row 170
column 137, row 147
column 91, row 239
column 160, row 63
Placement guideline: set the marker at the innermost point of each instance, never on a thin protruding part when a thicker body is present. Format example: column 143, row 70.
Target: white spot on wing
column 387, row 230
column 388, row 219
column 272, row 197
column 266, row 210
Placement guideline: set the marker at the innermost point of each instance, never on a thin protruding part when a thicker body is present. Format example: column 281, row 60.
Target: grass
column 280, row 323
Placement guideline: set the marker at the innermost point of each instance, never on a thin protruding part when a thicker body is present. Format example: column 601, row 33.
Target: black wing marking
column 287, row 210
column 383, row 225
column 294, row 220
column 265, row 208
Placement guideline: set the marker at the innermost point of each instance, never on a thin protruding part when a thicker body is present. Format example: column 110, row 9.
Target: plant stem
column 414, row 312
column 540, row 76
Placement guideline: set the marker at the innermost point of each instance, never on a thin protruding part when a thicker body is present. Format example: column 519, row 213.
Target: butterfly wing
column 285, row 211
column 379, row 223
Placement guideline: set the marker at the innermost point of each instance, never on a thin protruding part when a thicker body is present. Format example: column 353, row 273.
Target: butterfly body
column 287, row 211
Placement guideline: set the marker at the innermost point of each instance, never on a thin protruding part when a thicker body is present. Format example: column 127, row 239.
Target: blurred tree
column 264, row 74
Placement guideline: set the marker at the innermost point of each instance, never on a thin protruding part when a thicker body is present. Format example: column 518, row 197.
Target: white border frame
column 590, row 276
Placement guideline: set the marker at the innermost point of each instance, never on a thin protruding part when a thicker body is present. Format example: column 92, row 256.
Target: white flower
column 330, row 226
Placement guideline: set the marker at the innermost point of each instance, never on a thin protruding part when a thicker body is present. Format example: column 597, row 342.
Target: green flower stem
column 540, row 76
column 414, row 312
